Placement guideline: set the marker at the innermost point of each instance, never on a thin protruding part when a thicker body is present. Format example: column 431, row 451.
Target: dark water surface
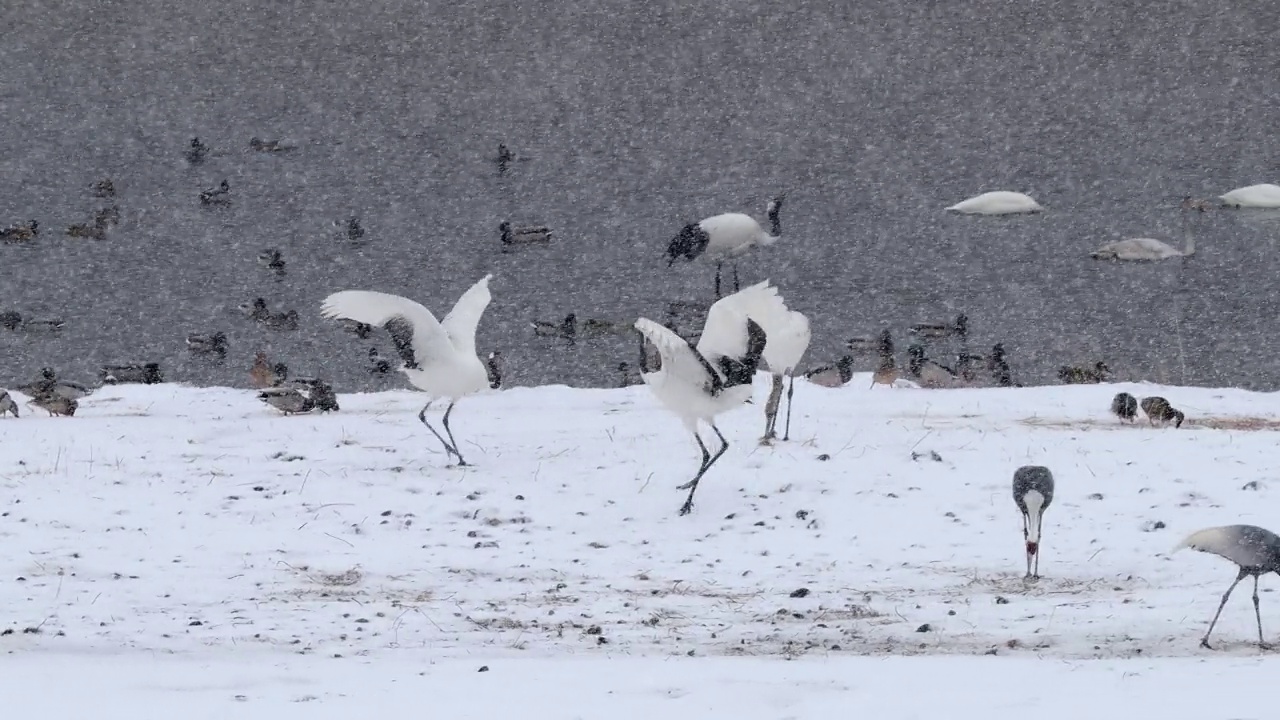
column 638, row 118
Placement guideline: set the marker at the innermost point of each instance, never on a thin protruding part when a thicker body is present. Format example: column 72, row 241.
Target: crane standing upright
column 1256, row 550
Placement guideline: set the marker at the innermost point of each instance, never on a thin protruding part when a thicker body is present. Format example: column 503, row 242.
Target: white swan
column 998, row 202
column 1265, row 195
column 1142, row 249
column 1150, row 248
column 439, row 355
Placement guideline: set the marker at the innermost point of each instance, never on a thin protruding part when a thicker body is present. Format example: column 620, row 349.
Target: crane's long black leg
column 693, row 484
column 791, row 391
column 706, row 465
column 736, row 286
column 706, row 457
column 449, row 450
column 1204, row 642
column 1257, row 612
column 718, row 266
column 724, row 446
column 449, row 430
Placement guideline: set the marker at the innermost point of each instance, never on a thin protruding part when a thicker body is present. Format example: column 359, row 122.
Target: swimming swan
column 1000, row 202
column 1150, row 248
column 1253, row 196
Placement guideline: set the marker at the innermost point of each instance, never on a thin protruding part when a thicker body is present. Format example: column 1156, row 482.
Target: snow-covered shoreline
column 197, row 521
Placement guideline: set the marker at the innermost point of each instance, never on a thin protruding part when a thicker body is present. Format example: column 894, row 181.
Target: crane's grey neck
column 1188, row 235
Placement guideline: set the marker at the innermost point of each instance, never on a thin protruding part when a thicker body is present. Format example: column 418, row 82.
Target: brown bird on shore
column 264, row 375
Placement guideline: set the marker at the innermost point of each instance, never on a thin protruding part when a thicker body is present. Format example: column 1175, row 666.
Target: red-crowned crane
column 700, row 383
column 439, row 355
column 725, row 237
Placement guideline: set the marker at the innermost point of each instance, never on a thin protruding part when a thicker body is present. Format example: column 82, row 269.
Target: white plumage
column 702, row 382
column 439, row 356
column 997, row 202
column 789, row 334
column 1150, row 248
column 725, row 237
column 683, row 384
column 1264, row 195
column 1142, row 249
column 735, row 233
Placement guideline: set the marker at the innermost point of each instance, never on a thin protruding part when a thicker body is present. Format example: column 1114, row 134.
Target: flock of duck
column 289, row 395
column 718, row 239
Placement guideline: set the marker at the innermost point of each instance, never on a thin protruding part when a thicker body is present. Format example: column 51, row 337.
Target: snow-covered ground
column 174, row 547
column 616, row 686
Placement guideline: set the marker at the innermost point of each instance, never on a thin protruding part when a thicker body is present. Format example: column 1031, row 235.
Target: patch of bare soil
column 1210, row 423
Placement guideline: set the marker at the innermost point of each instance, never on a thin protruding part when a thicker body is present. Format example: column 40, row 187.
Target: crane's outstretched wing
column 680, row 361
column 1244, row 545
column 418, row 336
column 725, row 331
column 787, row 331
column 460, row 324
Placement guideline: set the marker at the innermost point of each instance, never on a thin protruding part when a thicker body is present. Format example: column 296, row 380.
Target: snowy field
column 190, row 552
